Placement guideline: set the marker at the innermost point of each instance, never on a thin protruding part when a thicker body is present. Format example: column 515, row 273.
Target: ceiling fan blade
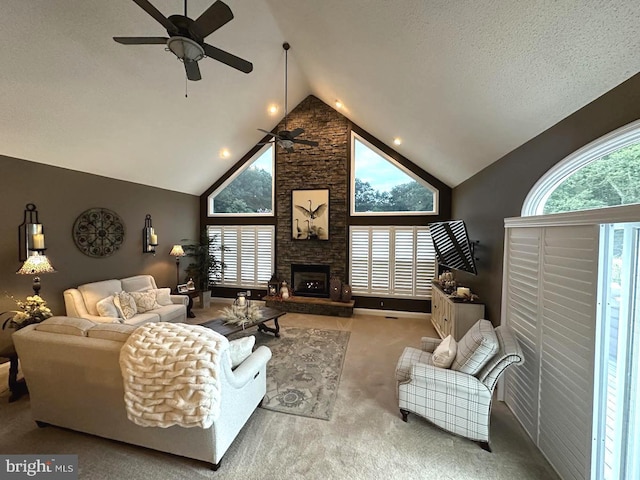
column 296, row 131
column 268, row 133
column 265, row 143
column 305, row 142
column 141, row 40
column 213, row 18
column 193, row 70
column 227, row 58
column 155, row 13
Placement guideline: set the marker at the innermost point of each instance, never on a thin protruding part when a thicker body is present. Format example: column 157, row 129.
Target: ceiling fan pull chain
column 186, row 85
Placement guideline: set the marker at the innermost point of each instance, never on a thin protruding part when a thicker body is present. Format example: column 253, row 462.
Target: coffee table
column 266, row 314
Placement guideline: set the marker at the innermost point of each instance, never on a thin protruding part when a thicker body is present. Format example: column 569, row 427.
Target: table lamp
column 36, row 265
column 177, row 251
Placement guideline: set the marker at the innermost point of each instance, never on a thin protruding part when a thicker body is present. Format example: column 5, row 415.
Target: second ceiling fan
column 286, row 138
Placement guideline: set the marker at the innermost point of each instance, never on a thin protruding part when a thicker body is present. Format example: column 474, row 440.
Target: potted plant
column 204, row 268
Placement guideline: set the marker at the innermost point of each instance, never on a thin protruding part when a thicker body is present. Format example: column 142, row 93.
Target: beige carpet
column 365, row 438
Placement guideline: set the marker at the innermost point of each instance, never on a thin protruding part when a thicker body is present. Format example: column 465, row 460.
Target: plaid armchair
column 457, row 399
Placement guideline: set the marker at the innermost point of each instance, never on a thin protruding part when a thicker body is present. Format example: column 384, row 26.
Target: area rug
column 304, row 372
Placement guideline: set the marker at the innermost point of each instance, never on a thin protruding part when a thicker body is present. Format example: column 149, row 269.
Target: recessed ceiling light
column 339, row 104
column 273, row 109
column 397, row 141
column 224, row 153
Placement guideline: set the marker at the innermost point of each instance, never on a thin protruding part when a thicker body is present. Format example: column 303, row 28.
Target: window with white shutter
column 393, row 261
column 246, row 252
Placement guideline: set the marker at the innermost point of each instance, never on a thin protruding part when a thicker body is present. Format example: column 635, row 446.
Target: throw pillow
column 145, row 301
column 445, row 353
column 125, row 304
column 240, row 349
column 476, row 348
column 106, row 307
column 163, row 296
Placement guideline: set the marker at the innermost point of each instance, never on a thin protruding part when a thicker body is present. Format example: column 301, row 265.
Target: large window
column 391, row 261
column 249, row 191
column 246, row 252
column 381, row 186
column 605, row 173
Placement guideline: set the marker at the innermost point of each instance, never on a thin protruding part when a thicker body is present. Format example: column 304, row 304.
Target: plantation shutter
column 247, row 254
column 393, row 261
column 550, row 299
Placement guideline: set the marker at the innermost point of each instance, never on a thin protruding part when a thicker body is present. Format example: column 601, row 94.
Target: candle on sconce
column 154, row 239
column 37, row 240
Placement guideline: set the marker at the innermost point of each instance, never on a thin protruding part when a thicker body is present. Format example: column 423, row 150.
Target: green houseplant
column 204, row 268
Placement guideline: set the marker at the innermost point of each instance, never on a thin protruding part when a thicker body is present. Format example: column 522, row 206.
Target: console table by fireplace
column 314, row 305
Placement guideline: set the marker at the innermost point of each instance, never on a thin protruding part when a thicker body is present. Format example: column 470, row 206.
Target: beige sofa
column 74, row 379
column 82, row 302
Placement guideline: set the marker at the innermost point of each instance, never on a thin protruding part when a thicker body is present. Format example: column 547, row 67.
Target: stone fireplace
column 310, row 280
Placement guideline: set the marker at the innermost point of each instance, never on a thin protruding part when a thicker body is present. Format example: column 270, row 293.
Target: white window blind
column 247, row 254
column 391, row 260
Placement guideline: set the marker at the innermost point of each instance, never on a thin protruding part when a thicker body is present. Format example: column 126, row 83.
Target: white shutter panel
column 425, row 263
column 569, row 292
column 264, row 253
column 522, row 258
column 403, row 261
column 247, row 259
column 380, row 264
column 230, row 255
column 359, row 272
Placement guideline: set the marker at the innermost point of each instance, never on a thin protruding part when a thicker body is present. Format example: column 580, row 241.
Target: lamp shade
column 177, row 251
column 36, row 265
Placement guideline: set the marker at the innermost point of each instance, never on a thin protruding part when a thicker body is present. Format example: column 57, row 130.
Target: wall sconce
column 149, row 236
column 36, row 265
column 177, row 251
column 30, row 234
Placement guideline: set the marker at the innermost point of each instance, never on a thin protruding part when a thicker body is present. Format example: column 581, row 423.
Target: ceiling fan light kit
column 186, row 37
column 185, row 49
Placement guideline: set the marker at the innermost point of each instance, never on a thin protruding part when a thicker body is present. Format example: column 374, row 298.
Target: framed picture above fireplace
column 310, row 214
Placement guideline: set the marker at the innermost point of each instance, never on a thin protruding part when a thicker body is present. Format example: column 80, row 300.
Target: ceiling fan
column 186, row 37
column 285, row 138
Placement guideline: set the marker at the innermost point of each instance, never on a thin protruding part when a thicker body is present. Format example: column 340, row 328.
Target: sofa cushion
column 66, row 325
column 171, row 313
column 140, row 318
column 240, row 349
column 111, row 331
column 445, row 353
column 92, row 293
column 125, row 304
column 163, row 296
column 476, row 348
column 145, row 301
column 107, row 308
column 139, row 283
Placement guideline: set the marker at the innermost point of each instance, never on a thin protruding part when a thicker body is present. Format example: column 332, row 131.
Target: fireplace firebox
column 310, row 280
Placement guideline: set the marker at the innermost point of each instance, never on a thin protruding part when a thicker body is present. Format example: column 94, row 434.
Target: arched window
column 604, row 173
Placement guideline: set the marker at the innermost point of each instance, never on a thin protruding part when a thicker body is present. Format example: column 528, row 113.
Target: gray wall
column 60, row 195
column 498, row 191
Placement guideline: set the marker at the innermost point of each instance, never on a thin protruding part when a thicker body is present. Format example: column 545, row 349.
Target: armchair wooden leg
column 485, row 446
column 404, row 413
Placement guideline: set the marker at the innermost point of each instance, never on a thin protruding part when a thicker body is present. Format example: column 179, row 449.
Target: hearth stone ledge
column 312, row 305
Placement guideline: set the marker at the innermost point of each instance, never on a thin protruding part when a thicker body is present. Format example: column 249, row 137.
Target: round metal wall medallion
column 98, row 232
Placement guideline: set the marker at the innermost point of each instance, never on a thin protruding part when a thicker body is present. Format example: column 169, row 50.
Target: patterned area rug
column 304, row 372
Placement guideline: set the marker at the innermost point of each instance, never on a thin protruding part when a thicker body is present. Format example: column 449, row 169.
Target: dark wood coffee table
column 266, row 314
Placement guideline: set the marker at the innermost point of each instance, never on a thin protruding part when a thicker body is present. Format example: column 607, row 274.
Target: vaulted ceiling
column 462, row 83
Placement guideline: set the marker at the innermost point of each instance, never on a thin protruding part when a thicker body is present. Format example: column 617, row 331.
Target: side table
column 190, row 294
column 17, row 387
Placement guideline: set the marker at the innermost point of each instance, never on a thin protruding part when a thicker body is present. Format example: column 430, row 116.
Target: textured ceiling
column 462, row 83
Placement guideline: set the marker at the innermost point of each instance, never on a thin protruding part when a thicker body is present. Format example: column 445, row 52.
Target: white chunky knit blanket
column 171, row 375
